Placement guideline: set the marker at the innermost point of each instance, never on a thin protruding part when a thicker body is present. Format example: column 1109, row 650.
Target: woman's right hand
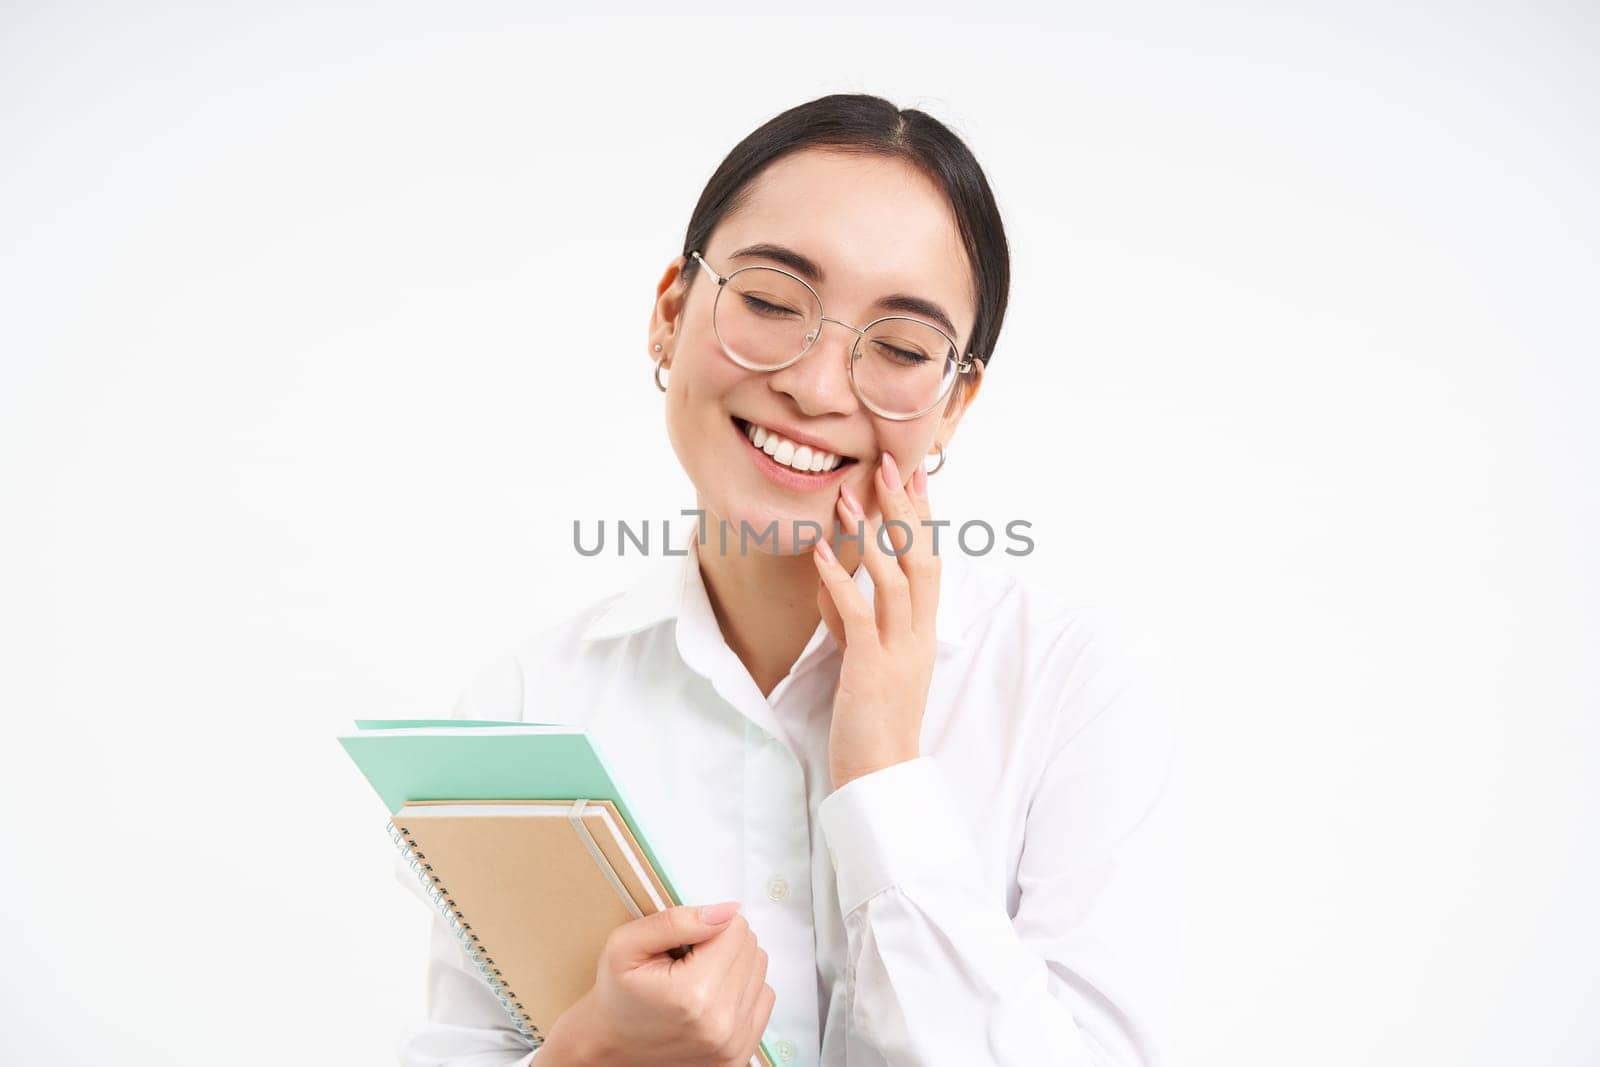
column 707, row 1009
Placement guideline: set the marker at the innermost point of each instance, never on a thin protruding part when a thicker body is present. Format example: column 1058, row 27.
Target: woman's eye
column 755, row 303
column 900, row 355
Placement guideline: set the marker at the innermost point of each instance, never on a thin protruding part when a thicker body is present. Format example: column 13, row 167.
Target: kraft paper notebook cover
column 503, row 822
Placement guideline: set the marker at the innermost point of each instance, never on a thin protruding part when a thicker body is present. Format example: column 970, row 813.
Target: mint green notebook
column 456, row 759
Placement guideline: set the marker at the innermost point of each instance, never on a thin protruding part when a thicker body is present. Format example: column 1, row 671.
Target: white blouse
column 1000, row 900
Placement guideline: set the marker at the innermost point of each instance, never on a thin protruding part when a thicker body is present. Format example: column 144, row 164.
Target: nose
column 819, row 382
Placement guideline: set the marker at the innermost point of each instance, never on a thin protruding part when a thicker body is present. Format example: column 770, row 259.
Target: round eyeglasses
column 766, row 319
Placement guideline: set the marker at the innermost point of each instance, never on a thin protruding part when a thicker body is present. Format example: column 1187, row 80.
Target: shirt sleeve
column 938, row 971
column 464, row 1024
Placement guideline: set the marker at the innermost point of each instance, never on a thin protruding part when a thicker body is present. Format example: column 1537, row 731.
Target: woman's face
column 874, row 226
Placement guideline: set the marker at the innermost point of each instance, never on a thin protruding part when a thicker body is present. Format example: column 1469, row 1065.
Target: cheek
column 908, row 442
column 700, row 387
column 719, row 378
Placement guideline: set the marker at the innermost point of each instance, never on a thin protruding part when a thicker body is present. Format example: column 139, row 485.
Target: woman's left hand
column 888, row 644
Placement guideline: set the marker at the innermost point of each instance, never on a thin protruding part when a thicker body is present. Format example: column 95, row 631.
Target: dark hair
column 871, row 125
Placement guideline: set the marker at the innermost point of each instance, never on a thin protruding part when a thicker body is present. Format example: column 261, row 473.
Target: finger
column 891, row 598
column 712, row 960
column 891, row 588
column 855, row 614
column 752, row 973
column 921, row 563
column 639, row 940
column 894, row 502
column 751, row 1002
column 917, row 489
column 730, row 987
column 830, row 614
column 760, row 1015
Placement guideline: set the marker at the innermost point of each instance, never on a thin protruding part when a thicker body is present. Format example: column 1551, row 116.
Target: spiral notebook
column 507, row 822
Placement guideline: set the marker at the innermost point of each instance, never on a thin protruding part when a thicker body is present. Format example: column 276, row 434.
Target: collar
column 671, row 586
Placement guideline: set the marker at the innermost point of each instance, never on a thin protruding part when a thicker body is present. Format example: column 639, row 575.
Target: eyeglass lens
column 766, row 318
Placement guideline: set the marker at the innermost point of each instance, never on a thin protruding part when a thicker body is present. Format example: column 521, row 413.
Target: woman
column 911, row 777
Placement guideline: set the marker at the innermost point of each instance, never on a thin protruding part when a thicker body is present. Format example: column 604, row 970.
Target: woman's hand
column 889, row 644
column 647, row 1006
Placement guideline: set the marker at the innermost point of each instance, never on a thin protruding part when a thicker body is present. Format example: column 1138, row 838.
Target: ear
column 961, row 398
column 666, row 314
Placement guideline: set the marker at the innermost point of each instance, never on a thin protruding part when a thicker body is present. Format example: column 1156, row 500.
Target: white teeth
column 800, row 457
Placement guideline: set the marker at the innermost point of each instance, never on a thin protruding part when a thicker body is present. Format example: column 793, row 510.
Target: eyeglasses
column 900, row 367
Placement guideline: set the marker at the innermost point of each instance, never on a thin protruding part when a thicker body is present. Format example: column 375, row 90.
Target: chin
column 767, row 530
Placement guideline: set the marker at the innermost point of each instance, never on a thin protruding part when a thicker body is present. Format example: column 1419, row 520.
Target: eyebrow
column 810, row 270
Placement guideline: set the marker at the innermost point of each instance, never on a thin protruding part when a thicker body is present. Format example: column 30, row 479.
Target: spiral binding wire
column 463, row 931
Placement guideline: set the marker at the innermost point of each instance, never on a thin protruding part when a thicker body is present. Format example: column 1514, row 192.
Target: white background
column 320, row 324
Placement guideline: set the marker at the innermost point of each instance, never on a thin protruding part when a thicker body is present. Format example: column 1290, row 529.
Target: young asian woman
column 911, row 780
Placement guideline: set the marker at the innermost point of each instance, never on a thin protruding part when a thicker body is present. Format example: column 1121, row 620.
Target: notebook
column 505, row 823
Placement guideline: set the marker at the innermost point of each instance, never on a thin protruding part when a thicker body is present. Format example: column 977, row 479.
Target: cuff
column 893, row 825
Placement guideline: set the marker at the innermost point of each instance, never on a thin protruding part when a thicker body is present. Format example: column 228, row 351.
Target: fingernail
column 850, row 501
column 825, row 550
column 891, row 473
column 919, row 482
column 712, row 914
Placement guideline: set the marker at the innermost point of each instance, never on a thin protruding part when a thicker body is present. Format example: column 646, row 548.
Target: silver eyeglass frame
column 963, row 365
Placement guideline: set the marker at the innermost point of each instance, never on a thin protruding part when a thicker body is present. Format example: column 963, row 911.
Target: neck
column 765, row 603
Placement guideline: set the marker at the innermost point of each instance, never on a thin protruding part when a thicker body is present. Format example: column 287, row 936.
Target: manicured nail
column 891, row 473
column 850, row 501
column 825, row 550
column 919, row 482
column 712, row 914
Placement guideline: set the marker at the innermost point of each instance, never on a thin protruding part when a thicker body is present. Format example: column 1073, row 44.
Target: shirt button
column 786, row 1050
column 778, row 889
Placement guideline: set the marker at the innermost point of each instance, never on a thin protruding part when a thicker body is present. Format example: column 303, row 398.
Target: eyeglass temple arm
column 719, row 279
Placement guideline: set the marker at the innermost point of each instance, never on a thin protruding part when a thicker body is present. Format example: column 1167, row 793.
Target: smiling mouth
column 803, row 459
